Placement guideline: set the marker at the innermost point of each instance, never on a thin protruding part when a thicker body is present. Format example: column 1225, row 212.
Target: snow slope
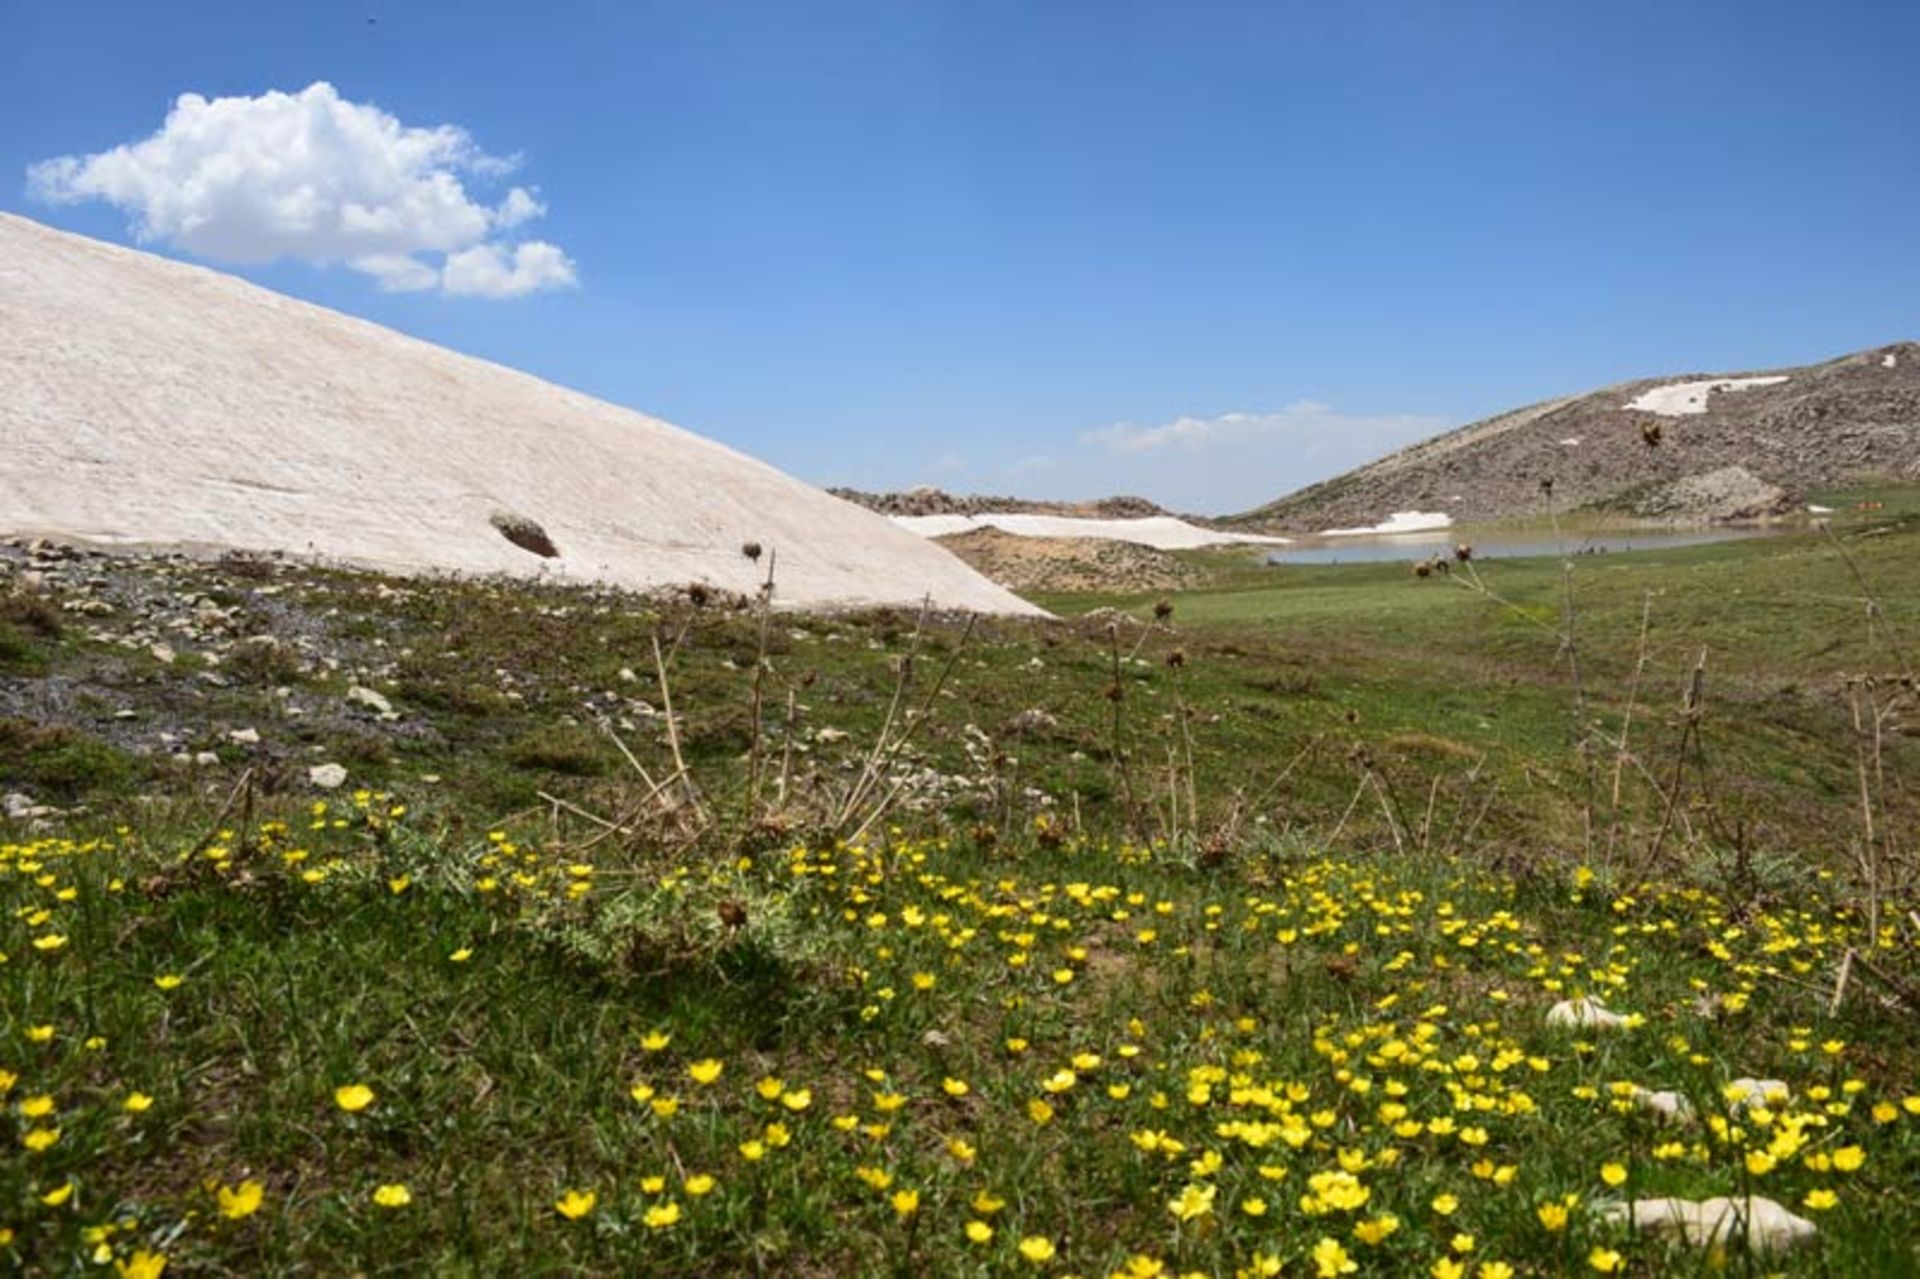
column 146, row 402
column 1398, row 522
column 1684, row 399
column 1163, row 532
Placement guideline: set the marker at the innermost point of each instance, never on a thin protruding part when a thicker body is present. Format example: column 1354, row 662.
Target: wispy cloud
column 1236, row 460
column 313, row 177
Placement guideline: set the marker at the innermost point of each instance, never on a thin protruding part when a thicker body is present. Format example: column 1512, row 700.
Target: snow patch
column 1682, row 399
column 1162, row 532
column 1889, row 360
column 1398, row 522
column 144, row 401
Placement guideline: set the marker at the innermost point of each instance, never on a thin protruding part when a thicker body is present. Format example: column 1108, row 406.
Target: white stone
column 245, row 736
column 1668, row 1105
column 1766, row 1226
column 1755, row 1094
column 328, row 776
column 1583, row 1013
column 375, row 702
column 163, row 653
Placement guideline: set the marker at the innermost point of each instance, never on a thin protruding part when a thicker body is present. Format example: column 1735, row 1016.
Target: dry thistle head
column 1162, row 610
column 1546, row 484
column 1463, row 552
column 698, row 594
column 1114, row 692
column 751, row 550
column 732, row 912
column 1650, row 432
column 1177, row 658
column 1423, row 568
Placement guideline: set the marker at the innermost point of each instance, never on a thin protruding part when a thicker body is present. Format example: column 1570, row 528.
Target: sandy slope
column 145, row 401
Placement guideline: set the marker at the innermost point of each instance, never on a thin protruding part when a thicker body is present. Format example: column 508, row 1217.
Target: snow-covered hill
column 147, row 402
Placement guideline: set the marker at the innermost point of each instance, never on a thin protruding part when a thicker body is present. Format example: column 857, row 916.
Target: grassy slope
column 319, row 952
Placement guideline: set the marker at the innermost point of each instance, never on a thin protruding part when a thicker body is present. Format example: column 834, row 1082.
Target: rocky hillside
column 1696, row 447
column 1066, row 564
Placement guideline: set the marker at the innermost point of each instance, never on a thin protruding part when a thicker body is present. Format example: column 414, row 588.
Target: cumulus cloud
column 314, row 177
column 489, row 271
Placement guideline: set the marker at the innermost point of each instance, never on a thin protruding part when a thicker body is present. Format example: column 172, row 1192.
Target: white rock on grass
column 1584, row 1012
column 375, row 702
column 1666, row 1104
column 327, row 776
column 1766, row 1226
column 1754, row 1094
column 245, row 736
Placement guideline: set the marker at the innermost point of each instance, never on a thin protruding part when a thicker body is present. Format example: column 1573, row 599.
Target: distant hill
column 933, row 501
column 147, row 402
column 1693, row 447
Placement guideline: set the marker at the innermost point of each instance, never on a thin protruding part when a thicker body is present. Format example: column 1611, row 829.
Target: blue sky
column 1204, row 252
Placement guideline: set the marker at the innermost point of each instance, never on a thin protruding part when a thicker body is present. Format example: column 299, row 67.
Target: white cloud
column 519, row 206
column 1234, row 461
column 1306, row 420
column 488, row 271
column 313, row 177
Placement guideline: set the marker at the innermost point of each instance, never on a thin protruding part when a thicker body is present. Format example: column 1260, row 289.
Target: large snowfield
column 1164, row 532
column 147, row 402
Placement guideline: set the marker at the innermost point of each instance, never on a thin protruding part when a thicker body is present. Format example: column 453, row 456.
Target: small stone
column 163, row 653
column 1584, row 1012
column 1668, row 1105
column 245, row 736
column 373, row 701
column 1766, row 1225
column 1754, row 1094
column 328, row 776
column 206, row 759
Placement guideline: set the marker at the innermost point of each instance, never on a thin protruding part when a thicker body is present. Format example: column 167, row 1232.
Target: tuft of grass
column 60, row 763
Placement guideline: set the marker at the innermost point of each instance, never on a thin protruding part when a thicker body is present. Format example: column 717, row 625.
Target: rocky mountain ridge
column 1655, row 448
